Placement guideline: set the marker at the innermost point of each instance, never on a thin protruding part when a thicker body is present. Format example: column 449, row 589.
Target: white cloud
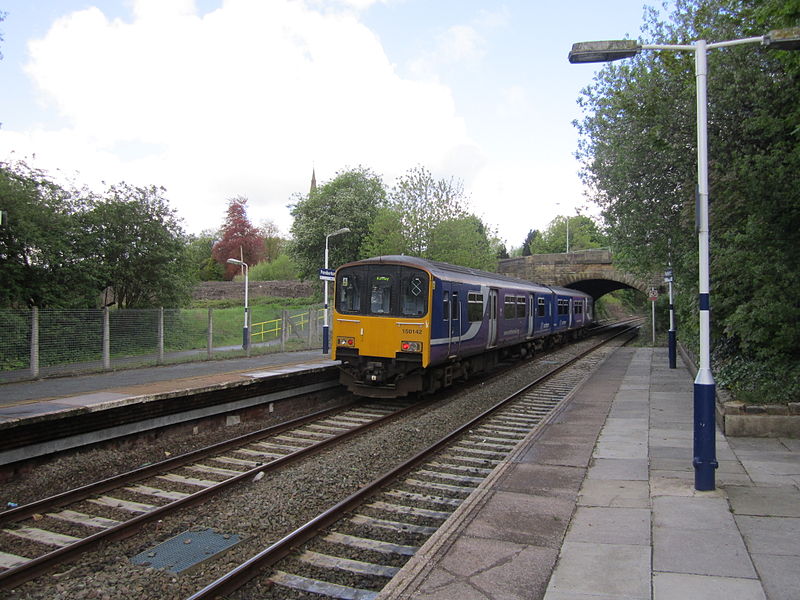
column 242, row 100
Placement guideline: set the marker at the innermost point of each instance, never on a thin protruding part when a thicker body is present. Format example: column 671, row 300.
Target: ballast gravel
column 260, row 512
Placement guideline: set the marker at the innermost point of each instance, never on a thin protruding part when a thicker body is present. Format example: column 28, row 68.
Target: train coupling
column 375, row 373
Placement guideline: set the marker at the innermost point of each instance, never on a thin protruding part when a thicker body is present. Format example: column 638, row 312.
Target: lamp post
column 705, row 460
column 246, row 328
column 325, row 345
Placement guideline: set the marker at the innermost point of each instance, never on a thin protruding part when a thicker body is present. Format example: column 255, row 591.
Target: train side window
column 474, row 307
column 381, row 295
column 414, row 296
column 520, row 306
column 446, row 306
column 349, row 294
column 540, row 308
column 455, row 307
column 509, row 307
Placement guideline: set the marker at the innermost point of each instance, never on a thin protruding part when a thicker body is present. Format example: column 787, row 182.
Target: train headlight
column 411, row 346
column 347, row 342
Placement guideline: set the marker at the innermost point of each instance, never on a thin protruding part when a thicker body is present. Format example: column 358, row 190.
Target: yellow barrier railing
column 273, row 327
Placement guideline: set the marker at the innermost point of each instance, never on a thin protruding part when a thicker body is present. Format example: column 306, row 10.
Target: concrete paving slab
column 615, row 493
column 693, row 513
column 577, row 454
column 624, row 450
column 761, row 501
column 523, row 519
column 489, row 569
column 632, row 469
column 670, row 486
column 706, row 552
column 780, row 575
column 546, row 480
column 613, row 569
column 678, row 586
column 602, row 525
column 771, row 535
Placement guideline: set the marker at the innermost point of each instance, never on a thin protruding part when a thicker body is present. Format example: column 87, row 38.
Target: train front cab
column 381, row 327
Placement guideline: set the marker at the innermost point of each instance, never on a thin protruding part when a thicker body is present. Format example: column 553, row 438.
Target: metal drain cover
column 186, row 550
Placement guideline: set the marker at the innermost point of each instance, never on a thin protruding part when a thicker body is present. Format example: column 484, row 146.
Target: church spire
column 313, row 181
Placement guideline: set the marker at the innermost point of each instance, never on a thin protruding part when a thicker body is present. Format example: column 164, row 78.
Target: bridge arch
column 589, row 271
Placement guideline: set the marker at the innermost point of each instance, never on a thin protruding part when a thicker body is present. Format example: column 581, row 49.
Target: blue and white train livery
column 403, row 324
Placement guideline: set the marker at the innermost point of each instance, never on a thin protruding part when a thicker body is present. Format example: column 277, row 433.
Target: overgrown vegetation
column 638, row 154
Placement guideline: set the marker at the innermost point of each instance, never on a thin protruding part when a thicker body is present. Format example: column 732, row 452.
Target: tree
column 351, row 199
column 386, row 235
column 583, row 235
column 273, row 242
column 422, row 204
column 199, row 257
column 463, row 241
column 239, row 239
column 526, row 245
column 638, row 154
column 137, row 246
column 42, row 244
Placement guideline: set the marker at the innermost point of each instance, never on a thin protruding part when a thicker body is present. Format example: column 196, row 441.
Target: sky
column 214, row 99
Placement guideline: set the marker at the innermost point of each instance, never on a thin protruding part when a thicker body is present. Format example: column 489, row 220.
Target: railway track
column 57, row 529
column 39, row 535
column 353, row 549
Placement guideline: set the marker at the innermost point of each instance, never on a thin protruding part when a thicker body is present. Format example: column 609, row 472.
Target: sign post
column 653, row 296
column 671, row 341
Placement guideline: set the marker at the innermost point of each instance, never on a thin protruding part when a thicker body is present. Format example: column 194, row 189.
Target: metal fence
column 38, row 343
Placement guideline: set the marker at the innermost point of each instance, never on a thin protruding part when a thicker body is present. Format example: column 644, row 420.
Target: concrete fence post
column 106, row 340
column 160, row 358
column 210, row 334
column 35, row 342
column 284, row 329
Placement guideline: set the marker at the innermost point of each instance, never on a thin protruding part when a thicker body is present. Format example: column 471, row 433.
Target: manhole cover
column 185, row 550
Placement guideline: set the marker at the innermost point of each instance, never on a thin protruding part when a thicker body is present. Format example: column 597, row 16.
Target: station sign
column 668, row 276
column 327, row 274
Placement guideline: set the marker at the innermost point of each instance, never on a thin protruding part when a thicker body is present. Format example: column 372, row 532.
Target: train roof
column 465, row 274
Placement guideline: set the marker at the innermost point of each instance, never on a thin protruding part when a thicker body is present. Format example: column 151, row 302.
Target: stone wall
column 234, row 290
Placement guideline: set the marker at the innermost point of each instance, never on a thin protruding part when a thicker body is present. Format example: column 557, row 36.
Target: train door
column 455, row 323
column 492, row 319
column 531, row 315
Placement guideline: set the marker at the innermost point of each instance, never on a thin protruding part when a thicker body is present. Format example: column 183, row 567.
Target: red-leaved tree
column 240, row 239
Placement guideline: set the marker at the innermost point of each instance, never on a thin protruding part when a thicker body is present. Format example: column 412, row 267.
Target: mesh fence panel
column 70, row 338
column 15, row 349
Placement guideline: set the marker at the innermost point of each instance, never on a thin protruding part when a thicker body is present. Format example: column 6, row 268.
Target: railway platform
column 601, row 505
column 117, row 402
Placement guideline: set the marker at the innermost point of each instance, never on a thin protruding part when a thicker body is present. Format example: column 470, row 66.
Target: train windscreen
column 382, row 290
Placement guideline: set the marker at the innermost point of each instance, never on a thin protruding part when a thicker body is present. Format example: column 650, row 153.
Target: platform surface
column 20, row 400
column 603, row 507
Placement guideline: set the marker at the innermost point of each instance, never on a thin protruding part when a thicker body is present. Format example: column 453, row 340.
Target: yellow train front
column 381, row 327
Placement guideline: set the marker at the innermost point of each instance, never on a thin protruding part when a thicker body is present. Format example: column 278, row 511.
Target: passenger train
column 403, row 324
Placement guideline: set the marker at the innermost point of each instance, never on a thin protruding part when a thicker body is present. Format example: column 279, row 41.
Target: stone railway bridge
column 590, row 271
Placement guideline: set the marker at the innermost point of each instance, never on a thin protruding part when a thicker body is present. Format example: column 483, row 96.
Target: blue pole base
column 672, row 349
column 325, row 339
column 705, row 451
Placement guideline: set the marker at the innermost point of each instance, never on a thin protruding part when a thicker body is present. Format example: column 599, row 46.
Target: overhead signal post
column 705, row 461
column 325, row 275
